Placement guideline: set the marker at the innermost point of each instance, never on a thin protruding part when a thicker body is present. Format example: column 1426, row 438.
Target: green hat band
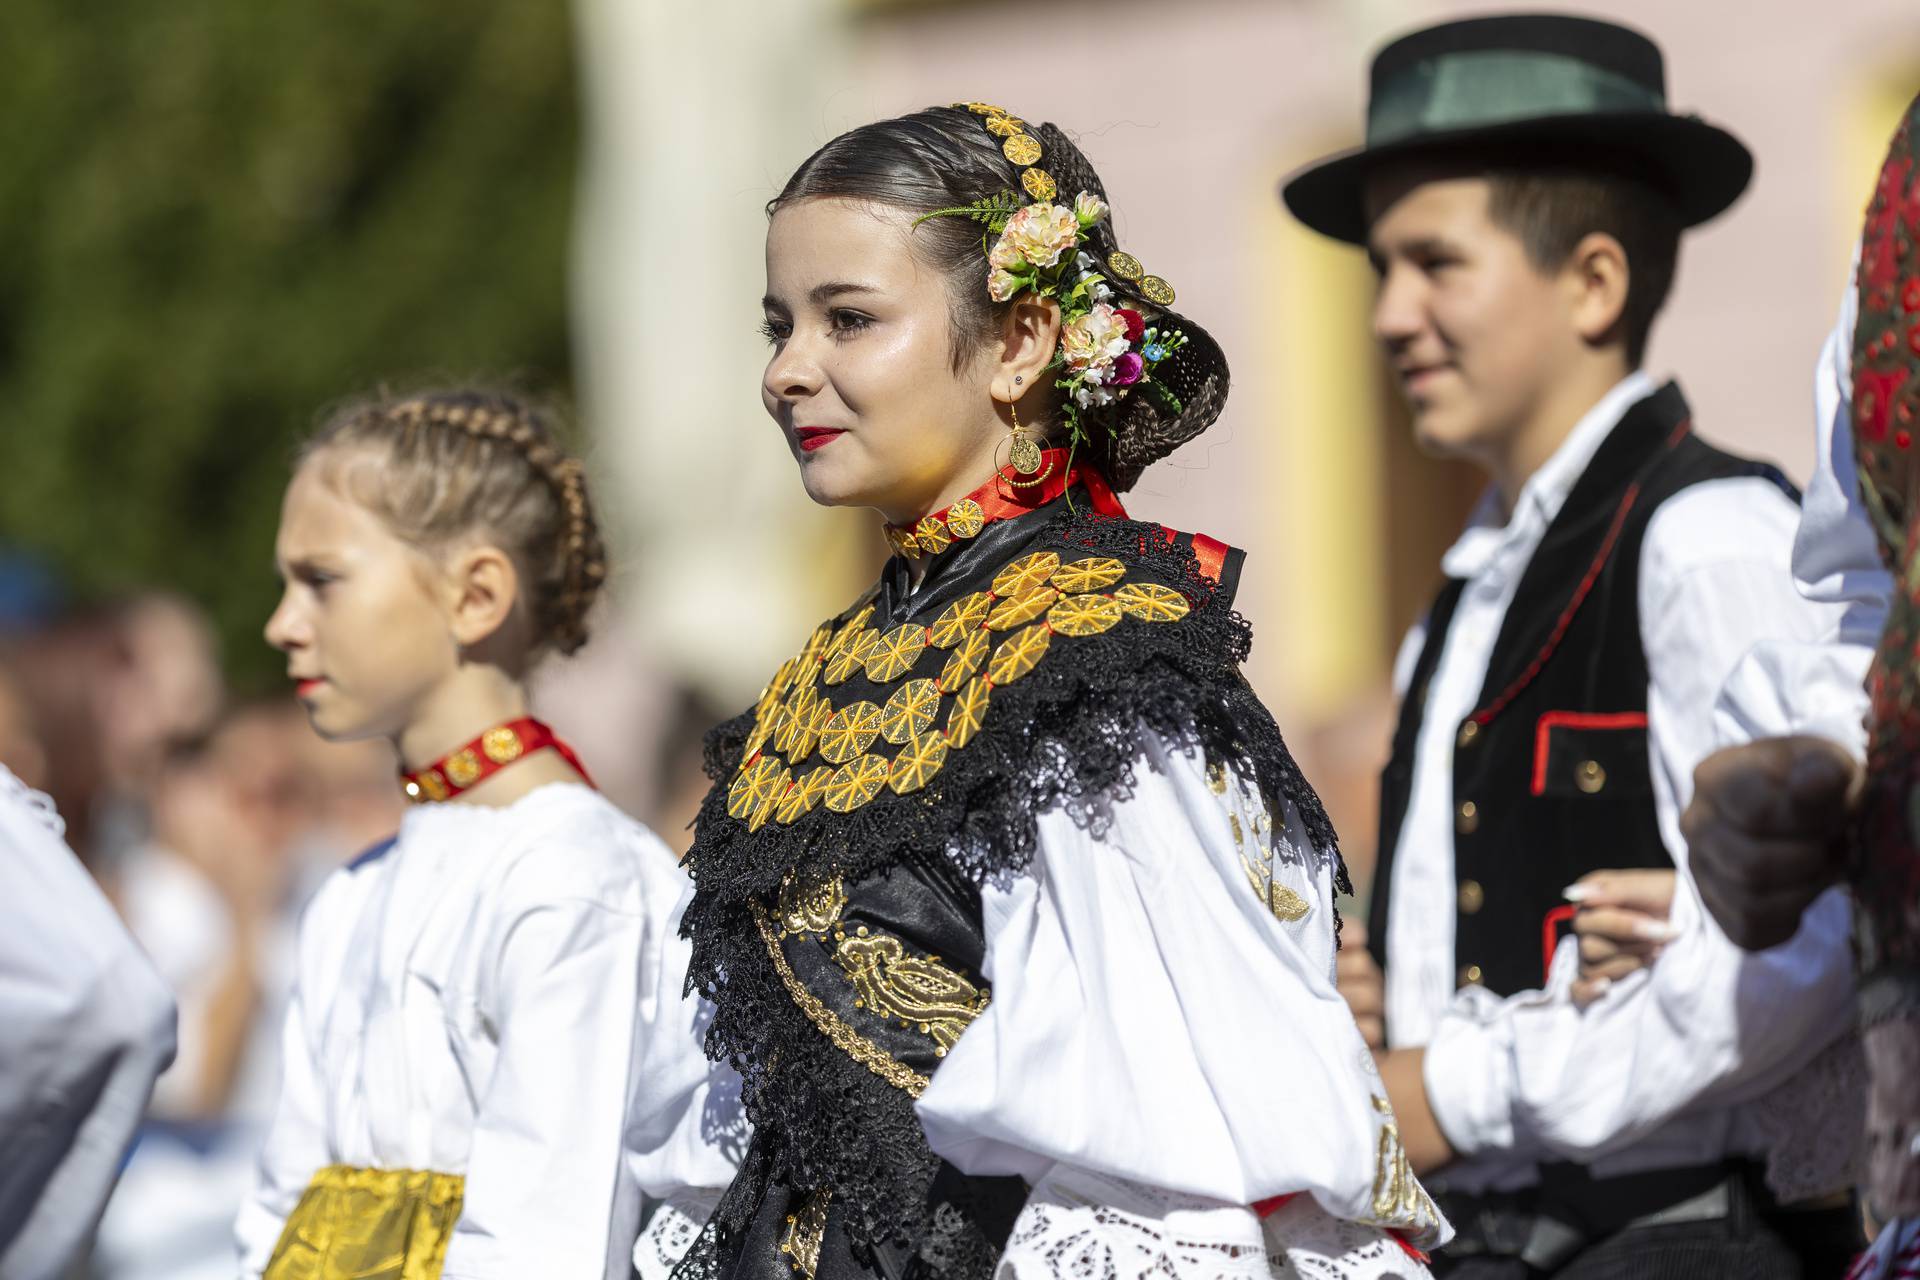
column 1497, row 86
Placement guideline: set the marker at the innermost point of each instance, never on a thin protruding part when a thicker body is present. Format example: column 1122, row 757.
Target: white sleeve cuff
column 1469, row 1073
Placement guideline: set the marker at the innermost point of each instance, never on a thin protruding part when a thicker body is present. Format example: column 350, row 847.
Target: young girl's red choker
column 485, row 756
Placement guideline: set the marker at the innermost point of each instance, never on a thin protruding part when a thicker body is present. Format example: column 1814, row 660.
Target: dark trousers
column 1754, row 1241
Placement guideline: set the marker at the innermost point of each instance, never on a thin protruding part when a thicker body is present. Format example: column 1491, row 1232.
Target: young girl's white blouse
column 497, row 994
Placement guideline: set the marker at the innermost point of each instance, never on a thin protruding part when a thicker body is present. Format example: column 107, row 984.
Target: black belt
column 1545, row 1225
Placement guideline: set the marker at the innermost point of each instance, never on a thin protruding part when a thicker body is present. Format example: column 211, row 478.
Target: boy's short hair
column 1551, row 207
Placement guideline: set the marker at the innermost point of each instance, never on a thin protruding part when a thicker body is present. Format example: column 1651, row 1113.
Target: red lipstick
column 308, row 687
column 811, row 438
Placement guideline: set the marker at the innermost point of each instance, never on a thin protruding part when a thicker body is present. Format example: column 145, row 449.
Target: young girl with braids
column 1015, row 912
column 488, row 1061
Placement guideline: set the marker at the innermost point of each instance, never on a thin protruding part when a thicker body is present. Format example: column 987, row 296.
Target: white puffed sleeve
column 1164, row 1014
column 85, row 1027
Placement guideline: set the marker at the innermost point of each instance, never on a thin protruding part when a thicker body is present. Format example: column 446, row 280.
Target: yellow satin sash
column 369, row 1224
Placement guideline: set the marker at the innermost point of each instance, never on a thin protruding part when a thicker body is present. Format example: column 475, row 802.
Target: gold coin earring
column 1023, row 453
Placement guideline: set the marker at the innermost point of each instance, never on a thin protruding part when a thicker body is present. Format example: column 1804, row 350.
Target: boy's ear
column 1599, row 275
column 482, row 585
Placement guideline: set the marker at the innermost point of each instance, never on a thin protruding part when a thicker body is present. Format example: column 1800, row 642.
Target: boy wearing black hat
column 1619, row 606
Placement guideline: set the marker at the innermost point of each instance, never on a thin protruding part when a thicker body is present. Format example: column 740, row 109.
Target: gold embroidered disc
column 849, row 731
column 965, row 660
column 1021, row 149
column 959, row 619
column 1039, row 184
column 1151, row 602
column 1085, row 615
column 910, row 710
column 896, row 652
column 916, row 764
column 965, row 518
column 804, row 795
column 1026, row 573
column 1095, row 573
column 856, row 782
column 1021, row 609
column 1019, row 653
column 969, row 712
column 848, row 653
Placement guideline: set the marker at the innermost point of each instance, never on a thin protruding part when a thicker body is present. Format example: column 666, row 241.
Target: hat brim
column 1701, row 166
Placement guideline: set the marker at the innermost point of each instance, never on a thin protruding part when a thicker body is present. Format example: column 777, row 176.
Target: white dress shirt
column 1166, row 1047
column 499, row 996
column 1656, row 1072
column 85, row 1027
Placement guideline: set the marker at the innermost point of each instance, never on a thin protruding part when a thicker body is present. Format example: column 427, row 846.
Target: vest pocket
column 1585, row 753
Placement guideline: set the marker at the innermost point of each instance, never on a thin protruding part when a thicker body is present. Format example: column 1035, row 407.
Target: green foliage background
column 219, row 216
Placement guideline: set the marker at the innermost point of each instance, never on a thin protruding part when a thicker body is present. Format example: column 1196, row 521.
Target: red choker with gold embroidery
column 486, row 755
column 999, row 500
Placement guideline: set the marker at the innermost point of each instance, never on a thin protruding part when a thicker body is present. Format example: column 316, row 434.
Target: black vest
column 1551, row 777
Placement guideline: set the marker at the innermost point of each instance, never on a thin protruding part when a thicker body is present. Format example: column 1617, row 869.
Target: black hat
column 1570, row 89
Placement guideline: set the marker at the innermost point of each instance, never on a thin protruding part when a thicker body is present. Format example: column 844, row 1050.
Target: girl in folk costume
column 487, row 1059
column 1015, row 912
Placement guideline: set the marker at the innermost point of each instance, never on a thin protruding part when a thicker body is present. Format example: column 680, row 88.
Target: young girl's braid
column 460, row 460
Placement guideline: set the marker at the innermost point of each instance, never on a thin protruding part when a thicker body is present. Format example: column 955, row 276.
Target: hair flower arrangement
column 1105, row 352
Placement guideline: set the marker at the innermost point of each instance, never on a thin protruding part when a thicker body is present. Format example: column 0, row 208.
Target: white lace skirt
column 1082, row 1226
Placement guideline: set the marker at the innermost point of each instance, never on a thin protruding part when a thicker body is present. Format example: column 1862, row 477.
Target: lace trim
column 1814, row 1124
column 1069, row 1231
column 671, row 1231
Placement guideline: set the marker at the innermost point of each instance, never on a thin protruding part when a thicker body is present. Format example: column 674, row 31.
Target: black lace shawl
column 1069, row 735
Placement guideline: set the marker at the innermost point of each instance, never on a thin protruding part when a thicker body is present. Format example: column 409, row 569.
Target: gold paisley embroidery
column 806, row 1229
column 917, row 991
column 1398, row 1197
column 830, row 1024
column 811, row 909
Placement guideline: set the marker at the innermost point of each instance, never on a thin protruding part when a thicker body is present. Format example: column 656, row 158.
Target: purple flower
column 1127, row 369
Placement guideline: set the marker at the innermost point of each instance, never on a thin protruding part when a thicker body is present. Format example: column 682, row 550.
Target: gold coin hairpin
column 1023, row 150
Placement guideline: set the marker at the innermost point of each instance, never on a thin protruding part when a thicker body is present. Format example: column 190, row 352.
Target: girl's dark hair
column 944, row 157
column 456, row 463
column 939, row 158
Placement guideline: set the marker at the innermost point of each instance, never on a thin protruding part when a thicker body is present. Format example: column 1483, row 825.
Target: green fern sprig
column 992, row 212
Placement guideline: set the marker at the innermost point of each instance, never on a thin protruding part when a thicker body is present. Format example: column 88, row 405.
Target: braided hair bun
column 460, row 462
column 943, row 158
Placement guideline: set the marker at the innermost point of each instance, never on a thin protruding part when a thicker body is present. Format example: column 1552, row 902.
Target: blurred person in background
column 488, row 1065
column 85, row 1027
column 680, row 780
column 1016, row 912
column 245, row 826
column 1522, row 195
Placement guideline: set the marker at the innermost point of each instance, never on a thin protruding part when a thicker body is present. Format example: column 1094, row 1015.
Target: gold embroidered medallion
column 896, row 652
column 1024, row 574
column 855, row 783
column 910, row 711
column 1019, row 610
column 965, row 660
column 1019, row 653
column 969, row 712
column 959, row 620
column 917, row 991
column 1085, row 615
column 1151, row 602
column 1095, row 573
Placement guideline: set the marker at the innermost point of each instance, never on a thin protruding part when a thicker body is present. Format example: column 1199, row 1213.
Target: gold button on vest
column 1467, row 820
column 1472, row 897
column 1469, row 733
column 1590, row 777
column 1470, row 975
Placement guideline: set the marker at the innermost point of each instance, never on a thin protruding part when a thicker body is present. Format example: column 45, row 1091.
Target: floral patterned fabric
column 1885, row 843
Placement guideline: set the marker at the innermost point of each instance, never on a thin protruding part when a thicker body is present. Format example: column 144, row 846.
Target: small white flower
column 1083, row 397
column 1101, row 292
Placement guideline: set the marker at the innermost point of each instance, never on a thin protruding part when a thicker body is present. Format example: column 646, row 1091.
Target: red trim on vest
column 1575, row 720
column 1550, row 935
column 1485, row 716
